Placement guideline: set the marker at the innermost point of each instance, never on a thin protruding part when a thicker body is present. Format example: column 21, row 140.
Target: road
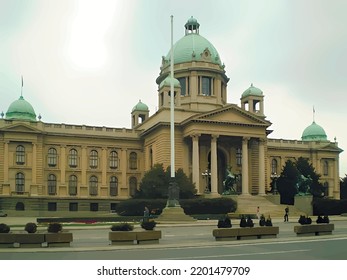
column 194, row 243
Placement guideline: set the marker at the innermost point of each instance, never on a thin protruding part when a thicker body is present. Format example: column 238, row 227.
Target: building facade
column 62, row 167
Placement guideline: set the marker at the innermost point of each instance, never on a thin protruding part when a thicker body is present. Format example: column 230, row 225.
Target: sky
column 90, row 61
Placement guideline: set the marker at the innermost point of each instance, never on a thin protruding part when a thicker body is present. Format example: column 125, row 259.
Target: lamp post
column 274, row 177
column 206, row 175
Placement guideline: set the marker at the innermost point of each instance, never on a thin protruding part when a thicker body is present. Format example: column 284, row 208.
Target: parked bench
column 314, row 229
column 224, row 234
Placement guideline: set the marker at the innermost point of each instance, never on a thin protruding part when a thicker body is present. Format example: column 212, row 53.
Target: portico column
column 195, row 161
column 245, row 165
column 214, row 178
column 6, row 162
column 123, row 168
column 62, row 164
column 84, row 166
column 104, row 166
column 33, row 169
column 261, row 167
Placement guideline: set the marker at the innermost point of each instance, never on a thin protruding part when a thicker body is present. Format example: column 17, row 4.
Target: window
column 183, row 86
column 274, row 166
column 94, row 207
column 52, row 184
column 52, row 157
column 20, row 206
column 113, row 186
column 326, row 168
column 73, row 206
column 133, row 185
column 73, row 158
column 93, row 185
column 93, row 159
column 72, row 185
column 52, row 206
column 206, row 86
column 20, row 154
column 20, row 182
column 113, row 160
column 133, row 160
column 238, row 156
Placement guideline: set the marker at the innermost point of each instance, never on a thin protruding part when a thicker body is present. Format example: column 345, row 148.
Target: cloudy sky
column 90, row 61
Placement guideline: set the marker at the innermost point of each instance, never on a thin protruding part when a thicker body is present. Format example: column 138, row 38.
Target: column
column 195, row 162
column 214, row 174
column 336, row 187
column 245, row 165
column 62, row 164
column 104, row 167
column 33, row 167
column 84, row 166
column 6, row 162
column 261, row 167
column 124, row 168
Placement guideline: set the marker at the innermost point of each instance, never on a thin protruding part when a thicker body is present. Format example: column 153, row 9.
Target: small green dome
column 252, row 91
column 21, row 110
column 140, row 107
column 193, row 47
column 167, row 82
column 314, row 132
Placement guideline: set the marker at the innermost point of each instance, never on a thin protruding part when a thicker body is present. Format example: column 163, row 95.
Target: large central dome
column 193, row 46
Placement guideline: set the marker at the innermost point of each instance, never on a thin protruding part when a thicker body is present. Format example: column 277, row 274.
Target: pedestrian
column 258, row 212
column 146, row 214
column 286, row 212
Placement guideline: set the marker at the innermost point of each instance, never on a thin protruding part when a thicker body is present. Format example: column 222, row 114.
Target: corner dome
column 167, row 82
column 193, row 47
column 314, row 132
column 21, row 110
column 252, row 91
column 140, row 107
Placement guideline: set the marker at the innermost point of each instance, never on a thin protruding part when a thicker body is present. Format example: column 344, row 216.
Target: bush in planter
column 243, row 222
column 30, row 227
column 148, row 225
column 249, row 222
column 54, row 227
column 262, row 221
column 304, row 220
column 268, row 222
column 224, row 222
column 4, row 228
column 122, row 227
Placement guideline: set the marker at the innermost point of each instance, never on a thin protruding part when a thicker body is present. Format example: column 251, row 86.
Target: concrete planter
column 122, row 237
column 314, row 229
column 60, row 239
column 148, row 237
column 25, row 240
column 224, row 234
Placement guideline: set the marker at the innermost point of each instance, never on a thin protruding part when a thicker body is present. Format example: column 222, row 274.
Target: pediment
column 231, row 114
column 21, row 127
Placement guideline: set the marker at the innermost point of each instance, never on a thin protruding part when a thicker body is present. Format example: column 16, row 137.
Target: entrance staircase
column 247, row 205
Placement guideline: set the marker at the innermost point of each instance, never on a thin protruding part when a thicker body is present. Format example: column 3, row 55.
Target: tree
column 155, row 183
column 286, row 183
column 343, row 188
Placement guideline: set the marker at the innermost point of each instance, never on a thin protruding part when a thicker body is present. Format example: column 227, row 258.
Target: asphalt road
column 182, row 242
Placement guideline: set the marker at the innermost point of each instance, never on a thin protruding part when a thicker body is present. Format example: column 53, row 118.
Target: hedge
column 326, row 206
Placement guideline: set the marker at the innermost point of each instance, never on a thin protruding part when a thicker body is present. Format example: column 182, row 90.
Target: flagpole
column 172, row 115
column 21, row 91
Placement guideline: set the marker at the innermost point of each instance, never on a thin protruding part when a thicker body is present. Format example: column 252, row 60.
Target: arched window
column 73, row 158
column 72, row 185
column 20, row 206
column 20, row 182
column 52, row 184
column 93, row 159
column 274, row 166
column 20, row 154
column 113, row 160
column 326, row 168
column 113, row 186
column 133, row 160
column 93, row 185
column 52, row 157
column 133, row 185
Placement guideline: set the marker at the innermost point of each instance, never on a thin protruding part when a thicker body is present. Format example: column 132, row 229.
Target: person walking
column 286, row 212
column 258, row 212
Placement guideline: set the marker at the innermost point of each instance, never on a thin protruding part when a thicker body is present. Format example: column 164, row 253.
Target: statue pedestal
column 174, row 215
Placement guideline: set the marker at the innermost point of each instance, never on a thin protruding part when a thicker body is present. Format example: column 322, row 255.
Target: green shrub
column 4, row 228
column 122, row 227
column 148, row 225
column 30, row 227
column 224, row 222
column 327, row 206
column 54, row 227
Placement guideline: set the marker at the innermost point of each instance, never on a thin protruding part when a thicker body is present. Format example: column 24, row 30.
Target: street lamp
column 274, row 177
column 206, row 175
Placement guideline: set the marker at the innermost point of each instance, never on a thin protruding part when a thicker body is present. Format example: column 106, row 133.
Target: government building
column 64, row 167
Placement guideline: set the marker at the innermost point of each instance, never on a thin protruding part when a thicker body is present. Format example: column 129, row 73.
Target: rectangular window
column 52, row 206
column 94, row 207
column 73, row 206
column 183, row 86
column 206, row 86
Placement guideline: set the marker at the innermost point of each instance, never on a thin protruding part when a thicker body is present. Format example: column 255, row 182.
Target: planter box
column 224, row 234
column 315, row 229
column 25, row 240
column 148, row 237
column 122, row 237
column 7, row 240
column 60, row 239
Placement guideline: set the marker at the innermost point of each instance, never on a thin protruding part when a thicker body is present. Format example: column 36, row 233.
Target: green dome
column 167, row 82
column 21, row 110
column 314, row 132
column 140, row 107
column 252, row 91
column 193, row 47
